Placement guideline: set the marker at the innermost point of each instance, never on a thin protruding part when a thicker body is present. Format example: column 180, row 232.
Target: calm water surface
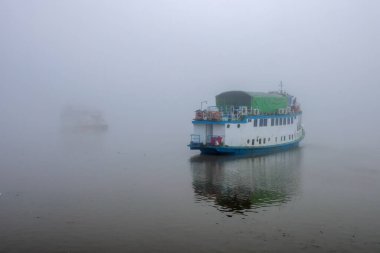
column 99, row 192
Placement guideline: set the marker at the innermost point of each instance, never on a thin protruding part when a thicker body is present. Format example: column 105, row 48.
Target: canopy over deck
column 266, row 102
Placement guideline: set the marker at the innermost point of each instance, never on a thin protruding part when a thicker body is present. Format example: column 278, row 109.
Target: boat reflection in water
column 240, row 185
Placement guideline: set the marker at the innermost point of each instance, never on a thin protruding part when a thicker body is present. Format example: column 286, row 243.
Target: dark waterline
column 92, row 192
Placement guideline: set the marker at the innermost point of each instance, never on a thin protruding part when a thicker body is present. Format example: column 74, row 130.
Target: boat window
column 288, row 121
column 276, row 121
column 264, row 141
column 272, row 121
column 261, row 121
column 249, row 120
column 275, row 139
column 280, row 121
column 255, row 122
column 253, row 142
column 292, row 120
column 248, row 141
column 228, row 125
column 268, row 139
column 260, row 141
column 238, row 125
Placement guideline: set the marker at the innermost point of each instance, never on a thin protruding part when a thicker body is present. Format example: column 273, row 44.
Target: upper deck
column 239, row 114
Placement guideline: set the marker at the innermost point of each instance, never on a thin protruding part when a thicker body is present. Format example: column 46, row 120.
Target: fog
column 142, row 61
column 144, row 67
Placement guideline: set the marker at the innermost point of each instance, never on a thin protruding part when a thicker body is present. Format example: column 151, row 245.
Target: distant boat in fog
column 255, row 123
column 76, row 118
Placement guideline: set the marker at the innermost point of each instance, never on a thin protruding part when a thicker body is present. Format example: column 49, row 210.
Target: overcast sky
column 129, row 58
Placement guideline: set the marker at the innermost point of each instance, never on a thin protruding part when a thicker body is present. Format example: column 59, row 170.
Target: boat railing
column 215, row 140
column 195, row 138
column 235, row 113
column 221, row 114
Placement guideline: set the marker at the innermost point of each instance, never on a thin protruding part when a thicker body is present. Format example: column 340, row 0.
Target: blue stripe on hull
column 256, row 151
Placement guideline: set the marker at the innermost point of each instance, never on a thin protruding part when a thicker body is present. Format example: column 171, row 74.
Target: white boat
column 254, row 123
column 79, row 118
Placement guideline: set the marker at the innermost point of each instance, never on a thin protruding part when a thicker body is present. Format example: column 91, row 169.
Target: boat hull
column 253, row 151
